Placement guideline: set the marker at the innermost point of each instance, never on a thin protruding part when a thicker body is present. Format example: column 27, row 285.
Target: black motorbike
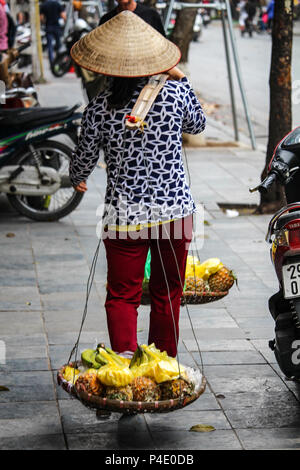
column 34, row 169
column 284, row 236
column 63, row 61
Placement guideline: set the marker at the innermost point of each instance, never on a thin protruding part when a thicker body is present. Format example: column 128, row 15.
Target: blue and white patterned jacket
column 145, row 174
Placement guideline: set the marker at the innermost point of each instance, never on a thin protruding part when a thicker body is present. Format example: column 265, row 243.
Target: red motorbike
column 284, row 236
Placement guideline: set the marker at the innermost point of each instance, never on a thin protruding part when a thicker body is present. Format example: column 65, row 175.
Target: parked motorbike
column 284, row 236
column 34, row 169
column 63, row 61
column 19, row 89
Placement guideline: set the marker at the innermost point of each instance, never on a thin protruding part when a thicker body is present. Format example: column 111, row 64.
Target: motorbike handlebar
column 265, row 185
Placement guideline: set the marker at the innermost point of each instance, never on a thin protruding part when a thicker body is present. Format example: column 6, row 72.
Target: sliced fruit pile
column 150, row 375
column 209, row 276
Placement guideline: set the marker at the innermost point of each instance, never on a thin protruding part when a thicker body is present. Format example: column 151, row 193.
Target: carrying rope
column 95, row 258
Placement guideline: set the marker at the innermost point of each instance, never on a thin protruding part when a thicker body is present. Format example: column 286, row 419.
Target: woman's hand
column 175, row 73
column 81, row 187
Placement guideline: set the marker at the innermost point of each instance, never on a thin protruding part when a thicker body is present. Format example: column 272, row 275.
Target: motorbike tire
column 32, row 206
column 61, row 64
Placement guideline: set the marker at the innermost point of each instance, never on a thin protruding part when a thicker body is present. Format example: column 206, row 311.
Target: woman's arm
column 86, row 154
column 194, row 120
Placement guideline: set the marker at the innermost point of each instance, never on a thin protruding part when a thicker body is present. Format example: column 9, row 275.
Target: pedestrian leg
column 166, row 284
column 49, row 36
column 126, row 264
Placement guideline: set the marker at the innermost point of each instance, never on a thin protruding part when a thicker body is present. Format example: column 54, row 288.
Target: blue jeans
column 53, row 32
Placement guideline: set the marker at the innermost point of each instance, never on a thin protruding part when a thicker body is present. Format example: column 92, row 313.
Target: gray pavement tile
column 262, row 345
column 259, row 322
column 230, row 358
column 65, row 258
column 17, row 323
column 20, row 298
column 69, row 338
column 205, row 318
column 109, row 441
column 265, row 417
column 13, row 261
column 27, row 386
column 34, row 442
column 293, row 385
column 183, row 420
column 243, row 378
column 269, row 439
column 70, row 301
column 205, row 402
column 258, row 399
column 25, row 365
column 47, row 287
column 185, row 440
column 64, row 244
column 218, row 345
column 212, row 334
column 18, row 278
column 76, row 418
column 28, row 352
column 92, row 323
column 29, row 419
column 259, row 333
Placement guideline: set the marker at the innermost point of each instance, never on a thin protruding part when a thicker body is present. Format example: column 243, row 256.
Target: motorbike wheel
column 61, row 64
column 63, row 201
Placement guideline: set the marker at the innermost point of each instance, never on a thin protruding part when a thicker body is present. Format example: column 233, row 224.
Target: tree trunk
column 182, row 34
column 280, row 120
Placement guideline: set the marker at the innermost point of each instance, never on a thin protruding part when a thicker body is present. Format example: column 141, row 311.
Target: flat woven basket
column 125, row 407
column 190, row 297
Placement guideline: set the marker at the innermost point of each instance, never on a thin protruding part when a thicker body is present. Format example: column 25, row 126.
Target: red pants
column 126, row 263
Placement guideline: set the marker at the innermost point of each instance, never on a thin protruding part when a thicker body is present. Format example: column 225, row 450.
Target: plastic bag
column 115, row 376
column 148, row 267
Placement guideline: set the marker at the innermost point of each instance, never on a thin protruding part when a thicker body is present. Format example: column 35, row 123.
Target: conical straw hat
column 125, row 46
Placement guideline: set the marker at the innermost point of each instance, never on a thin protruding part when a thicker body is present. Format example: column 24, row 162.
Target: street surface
column 207, row 64
column 43, row 274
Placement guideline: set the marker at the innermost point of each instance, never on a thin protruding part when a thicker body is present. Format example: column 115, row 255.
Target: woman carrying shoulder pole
column 148, row 202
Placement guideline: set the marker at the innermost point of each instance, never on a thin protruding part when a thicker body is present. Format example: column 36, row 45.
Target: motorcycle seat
column 286, row 218
column 34, row 117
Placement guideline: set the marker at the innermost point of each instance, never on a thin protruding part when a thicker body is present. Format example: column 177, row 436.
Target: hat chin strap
column 144, row 102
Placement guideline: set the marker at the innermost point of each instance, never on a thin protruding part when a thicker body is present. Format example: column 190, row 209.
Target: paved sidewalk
column 43, row 274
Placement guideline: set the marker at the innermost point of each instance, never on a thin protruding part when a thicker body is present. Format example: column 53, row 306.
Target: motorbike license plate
column 291, row 280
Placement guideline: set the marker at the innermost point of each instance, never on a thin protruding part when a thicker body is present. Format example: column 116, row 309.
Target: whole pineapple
column 145, row 389
column 222, row 280
column 197, row 285
column 119, row 393
column 176, row 389
column 90, row 383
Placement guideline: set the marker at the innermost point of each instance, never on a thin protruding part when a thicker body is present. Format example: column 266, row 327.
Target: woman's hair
column 122, row 89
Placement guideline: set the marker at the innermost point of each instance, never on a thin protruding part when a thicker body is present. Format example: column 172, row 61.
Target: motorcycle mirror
column 292, row 140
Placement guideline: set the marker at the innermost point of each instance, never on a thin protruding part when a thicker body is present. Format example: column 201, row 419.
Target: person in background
column 147, row 14
column 270, row 12
column 3, row 28
column 51, row 12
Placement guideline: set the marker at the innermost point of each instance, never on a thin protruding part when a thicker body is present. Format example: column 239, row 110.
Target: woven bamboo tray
column 125, row 407
column 190, row 297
